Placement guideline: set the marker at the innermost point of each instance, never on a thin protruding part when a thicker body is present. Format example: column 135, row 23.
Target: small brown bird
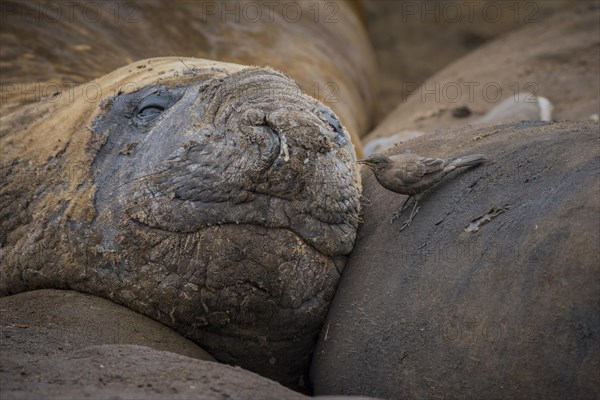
column 412, row 175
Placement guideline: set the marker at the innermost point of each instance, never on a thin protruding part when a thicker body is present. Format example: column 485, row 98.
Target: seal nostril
column 260, row 140
column 273, row 146
column 253, row 117
column 276, row 144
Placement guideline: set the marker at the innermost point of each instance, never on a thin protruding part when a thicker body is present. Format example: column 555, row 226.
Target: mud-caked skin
column 223, row 205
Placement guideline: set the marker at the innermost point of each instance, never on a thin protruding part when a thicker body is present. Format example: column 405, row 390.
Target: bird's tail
column 469, row 161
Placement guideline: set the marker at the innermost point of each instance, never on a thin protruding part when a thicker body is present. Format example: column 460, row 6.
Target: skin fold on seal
column 215, row 198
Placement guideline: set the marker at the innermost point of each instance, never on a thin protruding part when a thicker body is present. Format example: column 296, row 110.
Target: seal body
column 555, row 59
column 323, row 45
column 492, row 292
column 216, row 197
column 191, row 197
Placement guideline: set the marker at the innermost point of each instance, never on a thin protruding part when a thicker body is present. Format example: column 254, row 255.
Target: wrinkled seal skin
column 217, row 199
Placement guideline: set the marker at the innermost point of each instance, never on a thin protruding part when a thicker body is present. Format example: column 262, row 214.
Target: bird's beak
column 364, row 162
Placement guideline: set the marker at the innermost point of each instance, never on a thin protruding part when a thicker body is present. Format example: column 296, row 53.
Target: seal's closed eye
column 150, row 107
column 150, row 112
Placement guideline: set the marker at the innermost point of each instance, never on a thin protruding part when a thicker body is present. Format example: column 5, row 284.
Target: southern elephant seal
column 71, row 171
column 52, row 46
column 50, row 321
column 492, row 292
column 106, row 372
column 216, row 198
column 555, row 58
column 413, row 40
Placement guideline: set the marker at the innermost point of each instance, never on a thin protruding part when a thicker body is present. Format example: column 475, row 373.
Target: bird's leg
column 398, row 212
column 414, row 212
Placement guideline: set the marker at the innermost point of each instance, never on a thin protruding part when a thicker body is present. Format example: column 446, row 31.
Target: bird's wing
column 433, row 165
column 408, row 168
column 417, row 167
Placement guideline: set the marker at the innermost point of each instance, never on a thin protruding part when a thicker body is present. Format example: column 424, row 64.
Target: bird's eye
column 151, row 107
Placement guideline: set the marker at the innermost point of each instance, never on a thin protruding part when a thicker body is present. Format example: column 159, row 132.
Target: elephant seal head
column 224, row 204
column 247, row 148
